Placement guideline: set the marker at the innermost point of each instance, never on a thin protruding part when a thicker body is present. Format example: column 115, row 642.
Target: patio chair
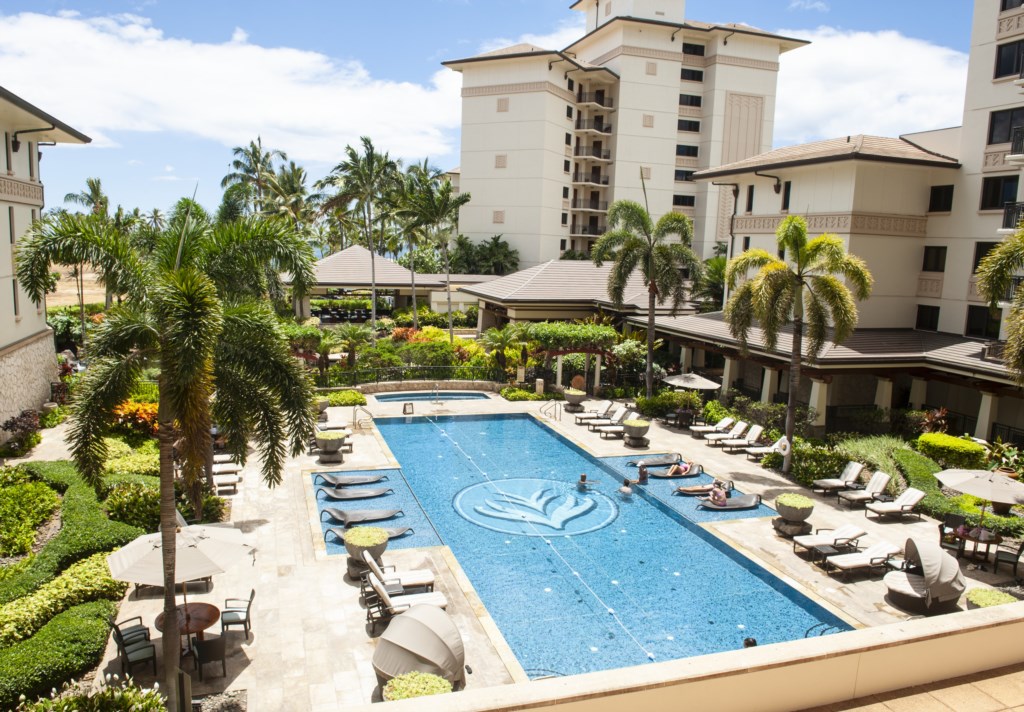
column 722, row 425
column 753, row 435
column 875, row 486
column 387, row 605
column 210, row 650
column 339, row 495
column 223, row 458
column 237, row 611
column 846, row 480
column 1010, row 557
column 737, row 431
column 744, row 501
column 346, row 480
column 230, row 482
column 226, row 468
column 140, row 651
column 394, row 579
column 617, row 430
column 904, row 504
column 355, row 516
column 679, row 418
column 131, row 629
column 755, row 453
column 617, row 417
column 875, row 556
column 947, row 532
column 602, row 411
column 845, row 537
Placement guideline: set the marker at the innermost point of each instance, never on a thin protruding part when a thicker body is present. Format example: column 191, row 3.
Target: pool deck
column 310, row 648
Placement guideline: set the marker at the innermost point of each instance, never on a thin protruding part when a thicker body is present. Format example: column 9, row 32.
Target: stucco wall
column 25, row 375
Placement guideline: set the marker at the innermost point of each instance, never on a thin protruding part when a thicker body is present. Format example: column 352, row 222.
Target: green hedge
column 88, row 580
column 714, row 412
column 950, row 451
column 877, row 452
column 345, row 398
column 810, row 462
column 665, row 402
column 118, row 698
column 70, row 644
column 85, row 531
column 511, row 393
column 23, row 507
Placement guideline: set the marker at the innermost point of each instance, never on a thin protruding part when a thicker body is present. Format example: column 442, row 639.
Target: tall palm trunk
column 80, row 283
column 168, row 528
column 448, row 291
column 651, row 294
column 795, row 361
column 368, row 216
column 412, row 269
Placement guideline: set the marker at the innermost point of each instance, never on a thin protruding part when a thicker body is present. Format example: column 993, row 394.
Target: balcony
column 1016, row 153
column 594, row 126
column 594, row 205
column 592, row 230
column 1013, row 213
column 590, row 178
column 590, row 152
column 594, row 98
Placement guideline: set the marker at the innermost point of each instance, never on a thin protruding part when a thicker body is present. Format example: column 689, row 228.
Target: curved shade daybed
column 930, row 575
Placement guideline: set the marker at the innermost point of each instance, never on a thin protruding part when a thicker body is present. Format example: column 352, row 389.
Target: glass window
column 684, row 150
column 686, row 201
column 696, row 50
column 982, row 323
column 940, row 200
column 565, row 166
column 14, row 282
column 691, row 75
column 565, row 218
column 565, row 191
column 934, row 259
column 1007, row 5
column 981, row 250
column 572, row 85
column 568, row 139
column 1001, row 123
column 682, row 176
column 746, row 242
column 750, row 198
column 1008, row 59
column 787, row 192
column 998, row 191
column 688, row 125
column 695, row 100
column 568, row 112
column 927, row 318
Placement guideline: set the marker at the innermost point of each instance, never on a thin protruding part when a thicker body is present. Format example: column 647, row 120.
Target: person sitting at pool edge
column 718, row 496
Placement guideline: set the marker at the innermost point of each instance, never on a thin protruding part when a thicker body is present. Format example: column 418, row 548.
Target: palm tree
column 782, row 292
column 156, row 219
column 363, row 179
column 635, row 242
column 350, row 337
column 92, row 197
column 496, row 341
column 328, row 342
column 290, row 196
column 996, row 279
column 465, row 256
column 251, row 166
column 710, row 290
column 221, row 354
column 417, row 177
column 496, row 257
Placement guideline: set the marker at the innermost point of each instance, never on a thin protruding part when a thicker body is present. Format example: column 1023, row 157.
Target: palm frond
column 741, row 265
column 674, row 224
column 629, row 215
column 791, row 235
column 739, row 313
column 126, row 328
column 838, row 302
column 998, row 267
column 816, row 324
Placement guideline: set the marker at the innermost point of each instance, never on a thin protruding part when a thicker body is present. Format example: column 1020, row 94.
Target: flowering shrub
column 24, row 429
column 109, row 699
column 137, row 417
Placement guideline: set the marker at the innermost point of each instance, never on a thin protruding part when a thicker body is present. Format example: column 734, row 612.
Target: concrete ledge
column 775, row 678
column 393, row 386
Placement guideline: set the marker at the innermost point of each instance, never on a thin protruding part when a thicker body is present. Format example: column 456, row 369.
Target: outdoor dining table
column 977, row 540
column 192, row 618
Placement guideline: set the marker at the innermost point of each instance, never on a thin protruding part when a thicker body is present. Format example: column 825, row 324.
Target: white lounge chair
column 734, row 434
column 844, row 537
column 618, row 430
column 388, row 605
column 617, row 417
column 755, row 453
column 753, row 435
column 699, row 431
column 394, row 579
column 602, row 411
column 904, row 504
column 873, row 557
column 226, row 468
column 876, row 486
column 846, row 479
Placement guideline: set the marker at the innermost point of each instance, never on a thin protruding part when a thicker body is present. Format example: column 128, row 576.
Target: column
column 698, row 358
column 883, row 393
column 729, row 374
column 918, row 393
column 986, row 415
column 558, row 370
column 301, row 306
column 769, row 384
column 819, row 401
column 597, row 374
column 685, row 359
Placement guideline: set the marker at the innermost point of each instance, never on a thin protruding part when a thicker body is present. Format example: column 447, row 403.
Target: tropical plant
column 289, row 196
column 634, row 243
column 92, row 197
column 464, row 256
column 497, row 341
column 709, row 291
column 192, row 306
column 329, row 341
column 415, row 684
column 809, row 288
column 996, row 275
column 352, row 336
column 986, row 597
column 496, row 257
column 251, row 167
column 365, row 536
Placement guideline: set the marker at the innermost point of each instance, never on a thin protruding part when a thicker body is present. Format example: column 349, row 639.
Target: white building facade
column 646, row 98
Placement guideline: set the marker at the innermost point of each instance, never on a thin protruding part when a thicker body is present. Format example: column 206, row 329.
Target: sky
column 166, row 88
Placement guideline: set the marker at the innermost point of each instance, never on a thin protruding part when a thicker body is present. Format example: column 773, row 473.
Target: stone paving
column 310, row 648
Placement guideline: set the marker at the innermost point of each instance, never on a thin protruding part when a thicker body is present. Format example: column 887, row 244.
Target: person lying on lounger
column 679, row 469
column 718, row 495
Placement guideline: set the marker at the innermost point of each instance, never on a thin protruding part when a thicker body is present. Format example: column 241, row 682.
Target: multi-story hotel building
column 646, row 98
column 27, row 360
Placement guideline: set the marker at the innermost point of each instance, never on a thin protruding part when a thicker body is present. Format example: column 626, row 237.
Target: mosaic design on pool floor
column 535, row 507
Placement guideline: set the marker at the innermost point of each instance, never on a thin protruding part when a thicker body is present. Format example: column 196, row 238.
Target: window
column 568, row 139
column 981, row 250
column 782, row 253
column 502, row 104
column 645, row 172
column 501, row 160
column 697, row 50
column 692, row 100
column 565, row 191
column 682, row 176
column 1001, row 123
column 565, row 219
column 10, row 222
column 17, row 309
column 934, row 259
column 688, row 125
column 7, row 150
column 1010, row 5
column 686, row 201
column 565, row 166
column 1008, row 58
column 787, row 192
column 982, row 323
column 568, row 112
column 688, row 151
column 561, row 245
column 941, row 199
column 750, row 198
column 572, row 85
column 746, row 243
column 691, row 75
column 927, row 318
column 998, row 191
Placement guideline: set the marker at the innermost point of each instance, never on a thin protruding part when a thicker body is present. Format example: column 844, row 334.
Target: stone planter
column 355, row 564
column 574, row 400
column 322, row 405
column 793, row 514
column 635, row 434
column 330, row 447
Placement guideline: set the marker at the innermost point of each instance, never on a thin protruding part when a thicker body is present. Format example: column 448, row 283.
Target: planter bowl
column 322, row 404
column 636, row 431
column 356, row 551
column 329, row 444
column 574, row 398
column 793, row 514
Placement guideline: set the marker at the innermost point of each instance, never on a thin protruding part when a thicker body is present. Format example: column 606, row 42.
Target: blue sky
column 167, row 87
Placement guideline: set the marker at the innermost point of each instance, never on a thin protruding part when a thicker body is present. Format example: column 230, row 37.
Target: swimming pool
column 580, row 582
column 429, row 396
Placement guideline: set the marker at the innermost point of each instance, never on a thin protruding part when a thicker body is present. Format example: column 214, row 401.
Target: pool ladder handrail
column 358, row 423
column 436, row 397
column 552, row 409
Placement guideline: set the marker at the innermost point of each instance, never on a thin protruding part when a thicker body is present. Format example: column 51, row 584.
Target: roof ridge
column 540, row 268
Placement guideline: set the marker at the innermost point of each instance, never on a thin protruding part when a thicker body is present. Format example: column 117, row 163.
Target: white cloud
column 169, row 168
column 134, row 162
column 818, row 5
column 239, row 35
column 878, row 83
column 303, row 102
column 564, row 35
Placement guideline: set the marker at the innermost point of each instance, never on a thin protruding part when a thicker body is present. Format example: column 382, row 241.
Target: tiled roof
column 871, row 148
column 457, row 278
column 521, row 48
column 351, row 268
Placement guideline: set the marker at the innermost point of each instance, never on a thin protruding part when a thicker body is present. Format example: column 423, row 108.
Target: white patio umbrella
column 692, row 381
column 985, row 484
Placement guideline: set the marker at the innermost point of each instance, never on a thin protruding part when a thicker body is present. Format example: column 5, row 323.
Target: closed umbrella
column 693, row 381
column 987, row 485
column 423, row 639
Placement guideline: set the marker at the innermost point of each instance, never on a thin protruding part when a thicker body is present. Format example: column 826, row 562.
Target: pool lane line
column 547, row 540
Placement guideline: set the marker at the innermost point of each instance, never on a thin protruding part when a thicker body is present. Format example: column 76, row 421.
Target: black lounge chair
column 338, row 495
column 694, row 490
column 695, row 469
column 670, row 459
column 345, row 480
column 744, row 501
column 393, row 532
column 357, row 516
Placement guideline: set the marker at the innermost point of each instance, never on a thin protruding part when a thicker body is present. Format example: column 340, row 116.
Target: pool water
column 429, row 396
column 581, row 581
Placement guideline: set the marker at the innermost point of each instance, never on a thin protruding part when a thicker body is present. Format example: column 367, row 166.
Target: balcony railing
column 590, row 205
column 604, row 154
column 1013, row 213
column 1017, row 141
column 592, row 98
column 588, row 229
column 590, row 125
column 1011, row 291
column 590, row 178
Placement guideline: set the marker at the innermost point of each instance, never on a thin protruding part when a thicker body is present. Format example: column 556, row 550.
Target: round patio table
column 192, row 618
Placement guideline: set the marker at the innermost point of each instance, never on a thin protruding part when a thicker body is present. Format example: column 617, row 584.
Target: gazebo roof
column 351, row 268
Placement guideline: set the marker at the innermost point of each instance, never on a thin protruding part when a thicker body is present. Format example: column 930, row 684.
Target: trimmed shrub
column 85, row 531
column 714, row 411
column 662, row 403
column 951, row 451
column 123, row 461
column 23, row 507
column 415, row 684
column 345, row 398
column 810, row 462
column 120, row 698
column 69, row 645
column 136, row 504
column 146, row 392
column 985, row 597
column 137, row 417
column 511, row 393
column 54, row 418
column 877, row 452
column 88, row 580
